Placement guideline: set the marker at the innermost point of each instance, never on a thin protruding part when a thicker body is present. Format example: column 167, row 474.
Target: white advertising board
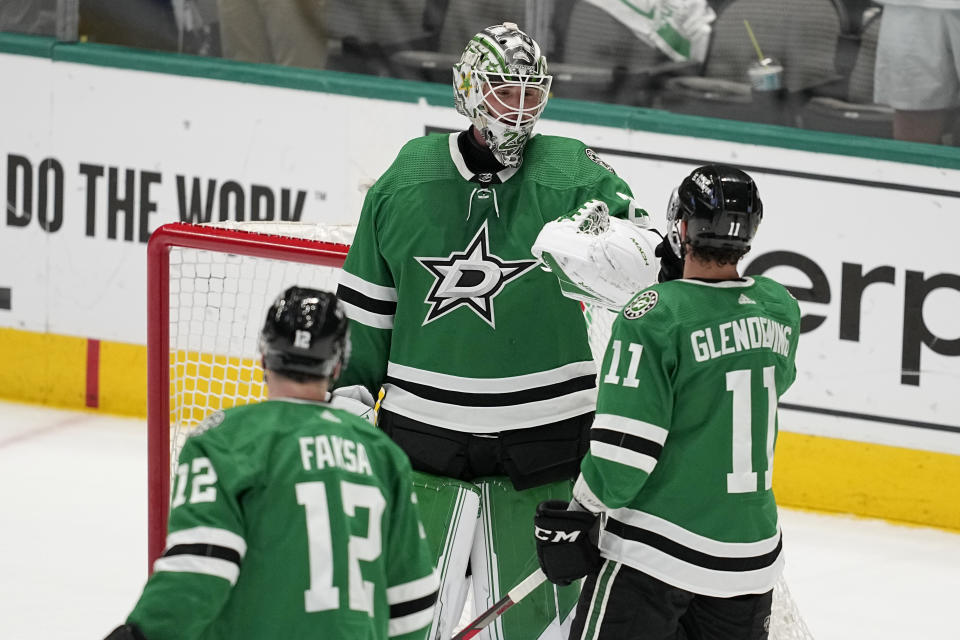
column 92, row 159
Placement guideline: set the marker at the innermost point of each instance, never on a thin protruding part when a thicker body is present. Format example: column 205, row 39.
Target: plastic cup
column 766, row 75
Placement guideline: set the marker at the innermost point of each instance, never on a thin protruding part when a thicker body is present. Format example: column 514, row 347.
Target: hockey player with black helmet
column 488, row 381
column 681, row 450
column 290, row 518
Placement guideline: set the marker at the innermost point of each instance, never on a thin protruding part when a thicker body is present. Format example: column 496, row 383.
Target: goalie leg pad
column 504, row 553
column 449, row 510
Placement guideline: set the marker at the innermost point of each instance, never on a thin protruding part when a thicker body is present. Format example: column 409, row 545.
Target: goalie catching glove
column 596, row 258
column 564, row 546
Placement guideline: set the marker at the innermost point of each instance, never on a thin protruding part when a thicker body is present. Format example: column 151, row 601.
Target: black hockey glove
column 564, row 548
column 671, row 265
column 126, row 632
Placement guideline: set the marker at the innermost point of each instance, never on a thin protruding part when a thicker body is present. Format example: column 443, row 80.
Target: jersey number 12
column 323, row 595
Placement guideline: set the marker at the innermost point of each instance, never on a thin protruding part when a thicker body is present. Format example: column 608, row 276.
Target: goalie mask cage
column 208, row 289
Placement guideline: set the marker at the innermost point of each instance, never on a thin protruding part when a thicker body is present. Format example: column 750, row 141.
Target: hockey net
column 208, row 288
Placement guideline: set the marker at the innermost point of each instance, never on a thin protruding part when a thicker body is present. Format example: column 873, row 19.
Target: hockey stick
column 513, row 596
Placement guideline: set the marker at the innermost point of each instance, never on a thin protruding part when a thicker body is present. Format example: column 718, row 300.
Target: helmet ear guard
column 502, row 56
column 305, row 333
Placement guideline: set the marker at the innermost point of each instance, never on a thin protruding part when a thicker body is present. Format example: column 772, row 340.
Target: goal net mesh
column 217, row 305
column 217, row 301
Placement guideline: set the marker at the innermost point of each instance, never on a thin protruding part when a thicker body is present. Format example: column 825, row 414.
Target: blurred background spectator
column 889, row 70
column 287, row 32
column 38, row 17
column 918, row 67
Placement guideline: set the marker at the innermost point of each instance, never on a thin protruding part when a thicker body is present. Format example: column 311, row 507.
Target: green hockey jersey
column 290, row 519
column 681, row 449
column 449, row 310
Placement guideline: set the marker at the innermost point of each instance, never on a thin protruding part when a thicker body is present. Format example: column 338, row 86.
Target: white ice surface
column 73, row 543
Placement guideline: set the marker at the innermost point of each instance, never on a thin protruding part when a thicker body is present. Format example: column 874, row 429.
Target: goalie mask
column 500, row 84
column 305, row 333
column 722, row 208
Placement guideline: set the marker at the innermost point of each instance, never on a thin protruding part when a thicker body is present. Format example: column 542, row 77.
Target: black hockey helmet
column 305, row 333
column 721, row 205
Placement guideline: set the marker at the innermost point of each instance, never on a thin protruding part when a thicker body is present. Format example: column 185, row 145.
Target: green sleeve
column 634, row 409
column 619, row 198
column 412, row 583
column 607, row 186
column 192, row 581
column 369, row 294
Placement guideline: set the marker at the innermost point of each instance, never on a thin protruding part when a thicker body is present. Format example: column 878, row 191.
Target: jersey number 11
column 743, row 479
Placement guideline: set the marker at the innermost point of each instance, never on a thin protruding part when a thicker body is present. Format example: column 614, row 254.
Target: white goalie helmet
column 501, row 85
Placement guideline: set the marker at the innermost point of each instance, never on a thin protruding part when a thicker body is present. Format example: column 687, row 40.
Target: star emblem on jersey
column 641, row 304
column 471, row 278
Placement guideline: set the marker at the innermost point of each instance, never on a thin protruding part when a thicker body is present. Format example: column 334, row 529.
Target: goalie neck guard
column 501, row 85
column 305, row 333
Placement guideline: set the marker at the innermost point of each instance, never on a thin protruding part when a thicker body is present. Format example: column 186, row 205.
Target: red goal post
column 194, row 272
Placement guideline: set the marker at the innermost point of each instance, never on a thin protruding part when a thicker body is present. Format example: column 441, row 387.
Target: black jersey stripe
column 204, row 550
column 495, row 399
column 401, row 609
column 365, row 302
column 627, row 441
column 691, row 556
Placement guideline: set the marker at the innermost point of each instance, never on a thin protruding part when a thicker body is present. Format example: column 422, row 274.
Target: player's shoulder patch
column 595, row 157
column 641, row 304
column 211, row 421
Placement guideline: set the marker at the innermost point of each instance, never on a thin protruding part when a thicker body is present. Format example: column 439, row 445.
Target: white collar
column 723, row 284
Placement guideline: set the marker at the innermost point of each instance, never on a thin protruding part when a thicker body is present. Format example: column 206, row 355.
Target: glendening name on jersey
column 740, row 335
column 713, row 532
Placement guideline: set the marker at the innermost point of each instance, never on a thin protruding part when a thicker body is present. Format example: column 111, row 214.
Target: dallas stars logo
column 466, row 85
column 472, row 278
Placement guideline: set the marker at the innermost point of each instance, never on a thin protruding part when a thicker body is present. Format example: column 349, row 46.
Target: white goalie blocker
column 598, row 259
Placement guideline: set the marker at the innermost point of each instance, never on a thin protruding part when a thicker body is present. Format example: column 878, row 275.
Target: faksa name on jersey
column 320, row 452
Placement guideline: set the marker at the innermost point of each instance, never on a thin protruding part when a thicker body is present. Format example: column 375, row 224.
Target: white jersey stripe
column 492, row 385
column 208, row 535
column 488, row 419
column 199, row 564
column 631, row 427
column 622, row 455
column 376, row 291
column 375, row 320
column 414, row 589
column 585, row 496
column 411, row 622
column 672, row 570
column 692, row 540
